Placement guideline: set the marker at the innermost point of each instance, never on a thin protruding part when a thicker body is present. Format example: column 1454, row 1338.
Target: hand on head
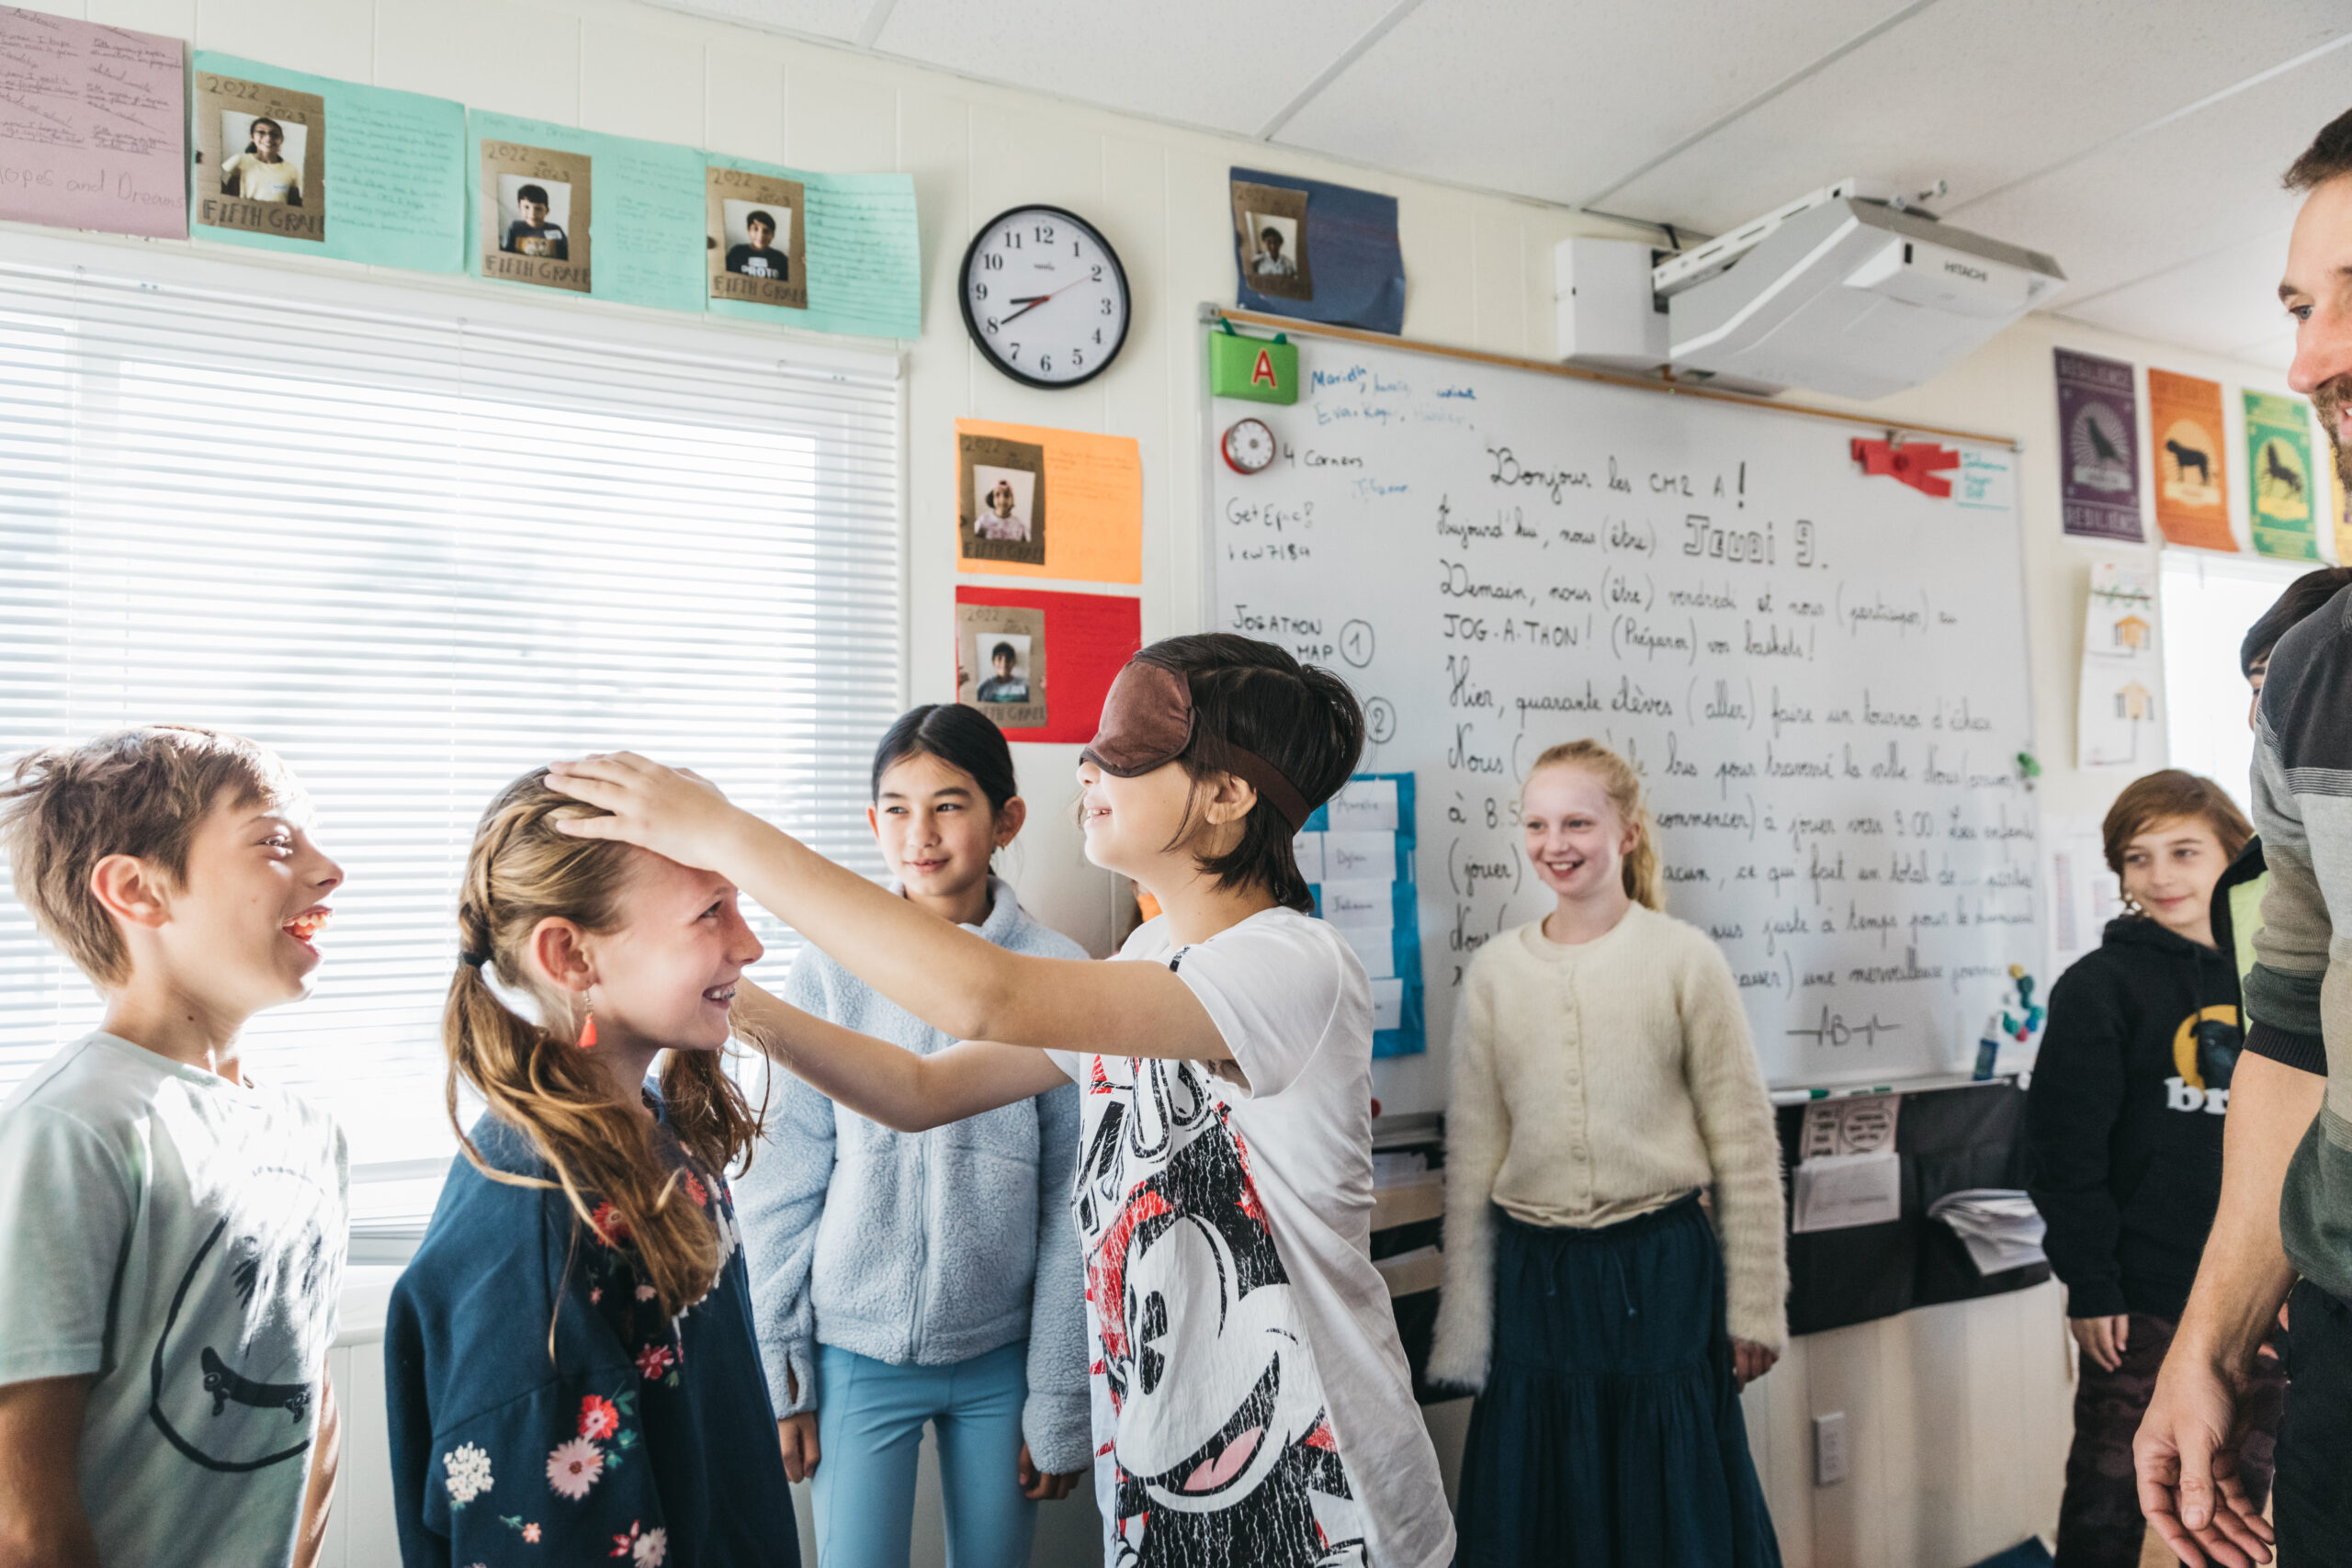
column 674, row 812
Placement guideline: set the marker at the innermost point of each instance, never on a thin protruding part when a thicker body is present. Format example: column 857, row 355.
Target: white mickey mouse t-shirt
column 1252, row 1405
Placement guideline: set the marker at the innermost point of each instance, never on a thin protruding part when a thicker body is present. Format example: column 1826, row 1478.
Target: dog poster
column 2280, row 477
column 2190, row 465
column 1001, row 663
column 260, row 160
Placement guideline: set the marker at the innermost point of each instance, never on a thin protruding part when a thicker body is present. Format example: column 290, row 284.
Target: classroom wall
column 1957, row 1415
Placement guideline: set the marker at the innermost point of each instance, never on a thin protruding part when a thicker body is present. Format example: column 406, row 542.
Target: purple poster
column 2099, row 482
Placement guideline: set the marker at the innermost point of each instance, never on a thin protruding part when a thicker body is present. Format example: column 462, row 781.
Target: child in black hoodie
column 2124, row 1124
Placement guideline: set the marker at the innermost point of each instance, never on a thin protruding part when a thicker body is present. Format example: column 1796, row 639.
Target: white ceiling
column 2137, row 140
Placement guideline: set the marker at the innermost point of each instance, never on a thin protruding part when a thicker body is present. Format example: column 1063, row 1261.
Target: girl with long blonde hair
column 1602, row 1076
column 570, row 1354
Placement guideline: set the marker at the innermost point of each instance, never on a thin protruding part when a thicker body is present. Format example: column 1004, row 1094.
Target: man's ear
column 131, row 890
column 558, row 952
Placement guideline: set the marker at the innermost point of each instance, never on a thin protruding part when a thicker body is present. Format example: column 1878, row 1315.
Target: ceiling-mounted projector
column 1843, row 292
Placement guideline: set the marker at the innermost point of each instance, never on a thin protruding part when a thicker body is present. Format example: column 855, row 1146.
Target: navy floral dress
column 544, row 1411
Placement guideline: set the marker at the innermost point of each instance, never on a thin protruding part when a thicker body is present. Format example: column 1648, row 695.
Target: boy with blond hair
column 172, row 1235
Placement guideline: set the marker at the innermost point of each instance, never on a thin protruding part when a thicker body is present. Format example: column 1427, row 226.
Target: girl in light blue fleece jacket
column 900, row 1278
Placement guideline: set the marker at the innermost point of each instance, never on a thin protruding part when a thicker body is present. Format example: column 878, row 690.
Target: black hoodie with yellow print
column 2123, row 1120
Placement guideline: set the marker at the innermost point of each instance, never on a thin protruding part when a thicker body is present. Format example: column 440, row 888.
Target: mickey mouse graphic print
column 179, row 1239
column 1252, row 1405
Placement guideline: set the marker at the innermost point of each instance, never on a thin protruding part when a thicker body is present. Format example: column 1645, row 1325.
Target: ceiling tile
column 1227, row 64
column 2185, row 189
column 2218, row 303
column 1979, row 93
column 810, row 18
column 1557, row 101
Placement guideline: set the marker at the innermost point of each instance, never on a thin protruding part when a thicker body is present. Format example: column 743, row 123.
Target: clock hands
column 1029, row 302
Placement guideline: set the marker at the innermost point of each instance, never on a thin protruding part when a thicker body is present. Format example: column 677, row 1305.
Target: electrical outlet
column 1829, row 1449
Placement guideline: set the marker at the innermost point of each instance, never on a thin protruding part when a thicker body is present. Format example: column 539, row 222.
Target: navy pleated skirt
column 1610, row 1430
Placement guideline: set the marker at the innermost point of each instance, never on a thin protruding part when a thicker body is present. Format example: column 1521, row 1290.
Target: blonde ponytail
column 1643, row 877
column 522, row 871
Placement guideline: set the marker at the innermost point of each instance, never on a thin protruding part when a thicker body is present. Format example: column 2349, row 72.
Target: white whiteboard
column 1822, row 677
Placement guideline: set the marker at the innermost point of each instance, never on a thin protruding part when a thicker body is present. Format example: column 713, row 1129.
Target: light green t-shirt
column 180, row 1240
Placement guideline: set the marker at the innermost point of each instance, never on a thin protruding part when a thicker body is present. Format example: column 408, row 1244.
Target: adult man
column 2279, row 1218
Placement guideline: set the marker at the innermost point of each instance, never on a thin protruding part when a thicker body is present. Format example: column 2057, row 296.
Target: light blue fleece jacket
column 921, row 1248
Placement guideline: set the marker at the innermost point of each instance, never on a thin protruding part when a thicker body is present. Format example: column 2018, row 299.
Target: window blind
column 418, row 553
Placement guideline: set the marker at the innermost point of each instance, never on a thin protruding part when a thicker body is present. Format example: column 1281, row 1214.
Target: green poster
column 835, row 252
column 290, row 162
column 2278, row 475
column 553, row 207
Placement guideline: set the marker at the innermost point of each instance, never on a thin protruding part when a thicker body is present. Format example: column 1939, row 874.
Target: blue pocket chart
column 1356, row 853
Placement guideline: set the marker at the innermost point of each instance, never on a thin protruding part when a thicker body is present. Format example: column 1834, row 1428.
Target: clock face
column 1044, row 297
column 1248, row 446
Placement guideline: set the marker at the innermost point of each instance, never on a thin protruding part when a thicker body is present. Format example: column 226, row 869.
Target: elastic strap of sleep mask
column 1147, row 721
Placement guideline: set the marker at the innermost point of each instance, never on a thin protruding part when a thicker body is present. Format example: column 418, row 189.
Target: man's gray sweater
column 920, row 1248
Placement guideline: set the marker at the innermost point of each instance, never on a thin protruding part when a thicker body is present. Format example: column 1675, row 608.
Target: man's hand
column 798, row 1436
column 1039, row 1486
column 676, row 814
column 1750, row 1361
column 2103, row 1339
column 2186, row 1459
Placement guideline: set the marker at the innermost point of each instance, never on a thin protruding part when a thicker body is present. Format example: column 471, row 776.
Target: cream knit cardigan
column 1595, row 1083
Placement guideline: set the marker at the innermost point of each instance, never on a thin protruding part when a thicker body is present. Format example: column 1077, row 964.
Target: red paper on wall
column 1041, row 663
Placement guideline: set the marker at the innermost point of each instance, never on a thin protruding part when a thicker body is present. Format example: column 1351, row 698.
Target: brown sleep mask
column 1148, row 722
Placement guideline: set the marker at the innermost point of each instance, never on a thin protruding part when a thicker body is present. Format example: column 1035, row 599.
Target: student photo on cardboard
column 1001, row 498
column 1270, row 237
column 534, row 216
column 1001, row 663
column 756, row 245
column 260, row 158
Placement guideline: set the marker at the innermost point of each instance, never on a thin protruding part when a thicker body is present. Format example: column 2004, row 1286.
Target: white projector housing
column 1843, row 294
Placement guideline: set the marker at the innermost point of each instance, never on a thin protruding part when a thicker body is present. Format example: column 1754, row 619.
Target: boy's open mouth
column 305, row 927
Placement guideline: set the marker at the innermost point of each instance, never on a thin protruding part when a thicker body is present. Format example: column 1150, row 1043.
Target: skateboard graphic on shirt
column 1224, row 1453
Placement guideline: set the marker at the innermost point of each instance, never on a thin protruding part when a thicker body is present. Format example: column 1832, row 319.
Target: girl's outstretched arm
column 951, row 979
column 887, row 1082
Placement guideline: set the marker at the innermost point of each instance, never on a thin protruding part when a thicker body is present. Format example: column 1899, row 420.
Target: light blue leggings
column 869, row 1431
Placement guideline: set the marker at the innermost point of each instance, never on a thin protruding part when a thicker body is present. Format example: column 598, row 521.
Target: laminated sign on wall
column 1356, row 853
column 2115, row 717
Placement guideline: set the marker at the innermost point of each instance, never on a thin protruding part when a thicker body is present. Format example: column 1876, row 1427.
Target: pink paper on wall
column 93, row 126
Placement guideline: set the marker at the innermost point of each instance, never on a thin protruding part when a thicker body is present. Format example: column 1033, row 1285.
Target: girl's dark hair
column 1301, row 718
column 2302, row 598
column 960, row 737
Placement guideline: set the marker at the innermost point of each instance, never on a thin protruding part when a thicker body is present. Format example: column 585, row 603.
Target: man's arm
column 2186, row 1447
column 326, row 1467
column 42, row 1522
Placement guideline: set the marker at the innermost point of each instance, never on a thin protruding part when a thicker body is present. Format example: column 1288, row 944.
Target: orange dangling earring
column 587, row 1040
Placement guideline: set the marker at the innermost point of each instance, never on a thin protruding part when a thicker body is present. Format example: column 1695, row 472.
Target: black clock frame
column 980, row 339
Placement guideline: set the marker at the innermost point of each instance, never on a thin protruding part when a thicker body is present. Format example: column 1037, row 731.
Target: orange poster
column 1037, row 503
column 2193, row 470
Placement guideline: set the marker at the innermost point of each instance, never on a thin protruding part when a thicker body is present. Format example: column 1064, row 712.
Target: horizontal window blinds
column 417, row 556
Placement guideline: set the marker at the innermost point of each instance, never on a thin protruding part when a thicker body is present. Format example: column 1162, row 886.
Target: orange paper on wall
column 2192, row 482
column 1037, row 502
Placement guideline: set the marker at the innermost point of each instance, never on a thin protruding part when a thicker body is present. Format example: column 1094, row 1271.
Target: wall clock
column 1044, row 297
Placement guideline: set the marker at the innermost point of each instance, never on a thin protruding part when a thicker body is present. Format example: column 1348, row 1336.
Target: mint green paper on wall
column 854, row 240
column 353, row 172
column 551, row 206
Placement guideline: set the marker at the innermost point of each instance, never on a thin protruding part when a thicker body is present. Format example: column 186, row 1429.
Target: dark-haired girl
column 905, row 1278
column 1251, row 1402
